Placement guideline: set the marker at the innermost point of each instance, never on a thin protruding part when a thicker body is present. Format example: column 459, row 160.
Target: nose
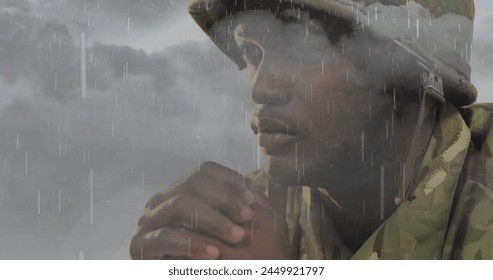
column 270, row 84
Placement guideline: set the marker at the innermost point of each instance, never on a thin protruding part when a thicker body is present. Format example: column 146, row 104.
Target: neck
column 373, row 190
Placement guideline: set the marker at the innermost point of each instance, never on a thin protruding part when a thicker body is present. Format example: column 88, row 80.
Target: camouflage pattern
column 451, row 216
column 438, row 32
column 471, row 229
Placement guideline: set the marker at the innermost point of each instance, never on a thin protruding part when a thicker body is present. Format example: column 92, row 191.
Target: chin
column 288, row 172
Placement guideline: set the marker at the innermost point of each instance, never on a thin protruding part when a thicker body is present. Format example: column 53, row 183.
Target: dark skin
column 362, row 190
column 207, row 216
column 309, row 118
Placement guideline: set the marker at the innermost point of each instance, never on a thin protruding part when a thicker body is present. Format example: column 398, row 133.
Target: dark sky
column 161, row 100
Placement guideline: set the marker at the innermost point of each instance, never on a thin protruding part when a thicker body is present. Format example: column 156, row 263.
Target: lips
column 273, row 133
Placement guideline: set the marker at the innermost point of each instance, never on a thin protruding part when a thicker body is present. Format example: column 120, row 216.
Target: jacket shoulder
column 470, row 234
column 479, row 118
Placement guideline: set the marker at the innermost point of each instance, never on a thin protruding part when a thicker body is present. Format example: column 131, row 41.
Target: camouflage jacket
column 451, row 216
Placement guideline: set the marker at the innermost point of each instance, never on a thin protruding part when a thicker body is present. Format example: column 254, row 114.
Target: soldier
column 374, row 148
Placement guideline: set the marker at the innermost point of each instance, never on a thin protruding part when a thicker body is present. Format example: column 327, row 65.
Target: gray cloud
column 148, row 120
column 148, row 24
column 108, row 15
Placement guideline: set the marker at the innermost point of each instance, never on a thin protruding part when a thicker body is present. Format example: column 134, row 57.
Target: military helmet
column 438, row 33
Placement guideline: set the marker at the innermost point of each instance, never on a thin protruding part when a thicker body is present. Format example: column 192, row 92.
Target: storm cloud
column 77, row 171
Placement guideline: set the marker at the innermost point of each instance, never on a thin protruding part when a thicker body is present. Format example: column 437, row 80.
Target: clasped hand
column 212, row 214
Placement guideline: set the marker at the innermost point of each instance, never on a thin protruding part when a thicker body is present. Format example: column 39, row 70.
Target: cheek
column 322, row 98
column 336, row 113
column 341, row 93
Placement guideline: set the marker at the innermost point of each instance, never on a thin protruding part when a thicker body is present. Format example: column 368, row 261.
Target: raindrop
column 296, row 156
column 143, row 184
column 91, row 196
column 26, row 167
column 126, row 107
column 408, row 19
column 83, row 66
column 39, row 203
column 59, row 201
column 382, row 192
column 56, row 81
column 364, row 207
column 128, row 24
column 362, row 146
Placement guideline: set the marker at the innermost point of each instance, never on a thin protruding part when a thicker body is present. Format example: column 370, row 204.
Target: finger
column 262, row 200
column 170, row 191
column 221, row 196
column 218, row 174
column 215, row 174
column 231, row 177
column 186, row 210
column 170, row 242
column 266, row 217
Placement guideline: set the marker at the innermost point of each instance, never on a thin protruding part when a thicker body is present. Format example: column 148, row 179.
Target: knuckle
column 175, row 238
column 155, row 201
column 235, row 208
column 177, row 202
column 208, row 164
column 219, row 225
column 192, row 181
column 168, row 213
column 208, row 167
column 136, row 248
column 153, row 235
column 142, row 221
column 179, row 232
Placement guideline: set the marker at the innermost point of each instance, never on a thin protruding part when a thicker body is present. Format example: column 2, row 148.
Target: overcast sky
column 482, row 63
column 159, row 103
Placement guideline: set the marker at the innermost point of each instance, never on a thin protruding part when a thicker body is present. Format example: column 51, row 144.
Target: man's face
column 312, row 103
